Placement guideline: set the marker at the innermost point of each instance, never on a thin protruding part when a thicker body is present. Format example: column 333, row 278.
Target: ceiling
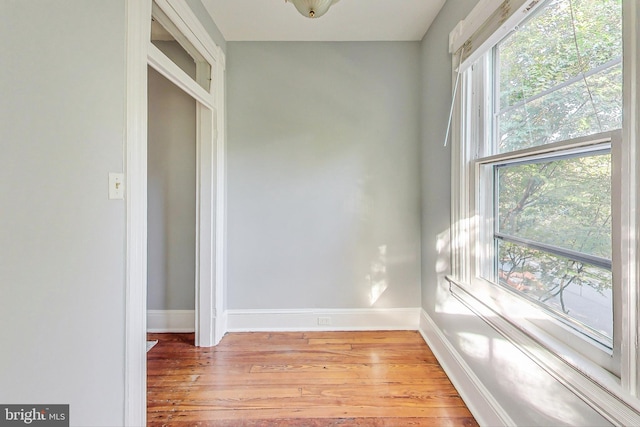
column 347, row 20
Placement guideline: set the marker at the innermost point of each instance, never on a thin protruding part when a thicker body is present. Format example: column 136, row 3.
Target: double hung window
column 556, row 79
column 539, row 187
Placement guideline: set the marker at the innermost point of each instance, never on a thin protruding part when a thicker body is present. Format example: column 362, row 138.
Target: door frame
column 210, row 183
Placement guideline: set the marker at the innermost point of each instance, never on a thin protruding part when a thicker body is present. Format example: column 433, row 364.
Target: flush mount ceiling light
column 312, row 8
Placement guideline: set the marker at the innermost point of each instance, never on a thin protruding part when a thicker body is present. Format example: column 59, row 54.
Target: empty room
column 320, row 212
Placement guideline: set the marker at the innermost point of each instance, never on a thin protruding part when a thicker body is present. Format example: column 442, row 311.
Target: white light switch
column 116, row 186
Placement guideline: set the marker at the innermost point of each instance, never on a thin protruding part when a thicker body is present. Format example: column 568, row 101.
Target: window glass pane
column 564, row 203
column 570, row 288
column 559, row 74
column 163, row 40
column 554, row 227
column 168, row 38
column 606, row 90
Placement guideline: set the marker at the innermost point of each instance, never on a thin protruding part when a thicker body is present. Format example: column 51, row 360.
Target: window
column 544, row 179
column 556, row 79
column 170, row 41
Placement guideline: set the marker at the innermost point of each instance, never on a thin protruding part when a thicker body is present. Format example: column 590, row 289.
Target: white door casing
column 210, row 183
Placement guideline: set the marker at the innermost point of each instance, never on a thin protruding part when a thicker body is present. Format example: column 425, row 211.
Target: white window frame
column 614, row 396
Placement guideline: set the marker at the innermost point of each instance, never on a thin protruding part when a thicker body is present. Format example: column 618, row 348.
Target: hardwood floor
column 385, row 378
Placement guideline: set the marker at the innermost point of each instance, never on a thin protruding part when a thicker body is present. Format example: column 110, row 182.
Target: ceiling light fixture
column 312, row 8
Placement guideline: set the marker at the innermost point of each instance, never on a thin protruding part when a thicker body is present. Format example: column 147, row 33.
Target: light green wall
column 325, row 145
column 62, row 241
column 323, row 175
column 171, row 193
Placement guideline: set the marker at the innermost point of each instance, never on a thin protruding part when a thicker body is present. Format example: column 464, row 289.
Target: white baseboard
column 323, row 319
column 171, row 321
column 484, row 407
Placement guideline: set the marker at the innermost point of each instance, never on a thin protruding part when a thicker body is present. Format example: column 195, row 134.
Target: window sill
column 596, row 386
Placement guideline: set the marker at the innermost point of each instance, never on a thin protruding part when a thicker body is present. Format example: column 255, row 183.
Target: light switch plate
column 116, row 186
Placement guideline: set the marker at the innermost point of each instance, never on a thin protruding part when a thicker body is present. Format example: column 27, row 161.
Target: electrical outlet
column 324, row 321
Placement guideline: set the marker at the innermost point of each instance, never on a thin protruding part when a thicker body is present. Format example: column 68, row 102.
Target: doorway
column 207, row 89
column 180, row 49
column 171, row 206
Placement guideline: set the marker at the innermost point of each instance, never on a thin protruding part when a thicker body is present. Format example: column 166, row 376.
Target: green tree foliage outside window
column 559, row 76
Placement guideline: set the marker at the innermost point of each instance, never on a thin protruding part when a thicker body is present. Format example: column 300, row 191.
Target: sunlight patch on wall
column 443, row 245
column 377, row 277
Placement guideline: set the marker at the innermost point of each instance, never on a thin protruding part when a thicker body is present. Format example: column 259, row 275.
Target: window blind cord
column 580, row 65
column 453, row 100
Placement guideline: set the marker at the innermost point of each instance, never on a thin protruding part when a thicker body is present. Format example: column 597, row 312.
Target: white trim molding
column 630, row 200
column 165, row 66
column 208, row 91
column 171, row 321
column 138, row 27
column 323, row 319
column 484, row 407
column 140, row 54
column 220, row 249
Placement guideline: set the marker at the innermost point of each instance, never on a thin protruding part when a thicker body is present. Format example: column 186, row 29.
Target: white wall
column 528, row 394
column 323, row 175
column 171, row 211
column 62, row 246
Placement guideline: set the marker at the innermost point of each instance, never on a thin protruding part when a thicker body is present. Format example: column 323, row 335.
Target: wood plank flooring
column 385, row 378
